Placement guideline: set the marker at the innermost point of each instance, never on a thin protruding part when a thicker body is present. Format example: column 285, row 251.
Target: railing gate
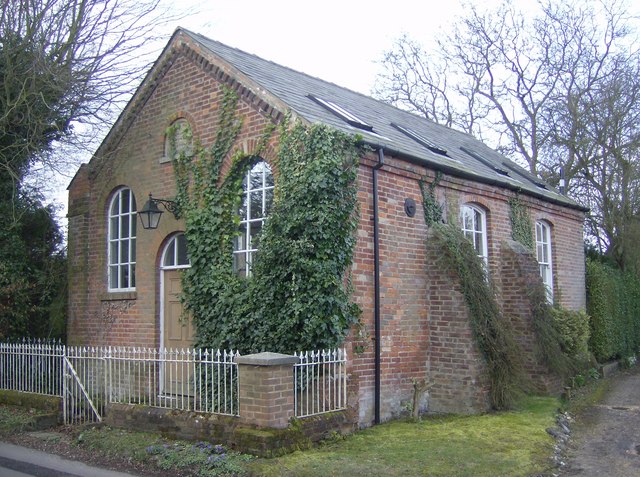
column 77, row 405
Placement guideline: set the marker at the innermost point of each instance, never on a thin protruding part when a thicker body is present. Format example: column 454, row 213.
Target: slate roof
column 465, row 156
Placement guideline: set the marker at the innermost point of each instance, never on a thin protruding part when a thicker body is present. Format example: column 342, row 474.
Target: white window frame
column 476, row 233
column 175, row 256
column 244, row 247
column 544, row 256
column 121, row 243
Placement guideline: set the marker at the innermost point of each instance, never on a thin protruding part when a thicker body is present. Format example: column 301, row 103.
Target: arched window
column 175, row 253
column 178, row 140
column 122, row 241
column 474, row 227
column 257, row 190
column 543, row 254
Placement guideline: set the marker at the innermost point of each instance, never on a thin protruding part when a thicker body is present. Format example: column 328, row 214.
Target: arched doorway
column 176, row 329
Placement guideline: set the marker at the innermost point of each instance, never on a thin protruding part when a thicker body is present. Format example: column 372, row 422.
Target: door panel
column 177, row 335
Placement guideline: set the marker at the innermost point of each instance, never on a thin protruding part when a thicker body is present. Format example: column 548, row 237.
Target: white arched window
column 543, row 255
column 474, row 227
column 122, row 241
column 175, row 253
column 257, row 197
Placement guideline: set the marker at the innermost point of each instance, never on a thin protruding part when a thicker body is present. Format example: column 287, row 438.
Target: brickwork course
column 425, row 328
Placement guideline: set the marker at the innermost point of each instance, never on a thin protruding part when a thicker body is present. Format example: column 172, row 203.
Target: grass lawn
column 501, row 444
column 498, row 444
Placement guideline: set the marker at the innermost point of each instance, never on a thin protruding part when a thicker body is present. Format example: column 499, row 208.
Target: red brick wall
column 134, row 160
column 425, row 326
column 520, row 271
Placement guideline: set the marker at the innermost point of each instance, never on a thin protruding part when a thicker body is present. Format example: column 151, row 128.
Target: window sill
column 114, row 296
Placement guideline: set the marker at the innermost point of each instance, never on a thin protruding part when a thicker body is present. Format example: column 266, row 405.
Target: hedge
column 613, row 303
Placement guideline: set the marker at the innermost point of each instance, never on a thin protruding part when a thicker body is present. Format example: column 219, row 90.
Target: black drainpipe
column 376, row 281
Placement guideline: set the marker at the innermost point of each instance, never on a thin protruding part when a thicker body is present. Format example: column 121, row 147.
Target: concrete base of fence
column 609, row 369
column 50, row 408
column 300, row 433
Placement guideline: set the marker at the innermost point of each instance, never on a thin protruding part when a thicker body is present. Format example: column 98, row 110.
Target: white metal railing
column 83, row 399
column 87, row 378
column 32, row 366
column 320, row 382
column 203, row 380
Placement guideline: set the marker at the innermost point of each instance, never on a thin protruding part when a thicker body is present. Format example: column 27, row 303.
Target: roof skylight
column 420, row 139
column 486, row 162
column 525, row 175
column 342, row 113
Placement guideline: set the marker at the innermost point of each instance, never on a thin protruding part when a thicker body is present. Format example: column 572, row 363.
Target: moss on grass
column 499, row 444
column 29, row 400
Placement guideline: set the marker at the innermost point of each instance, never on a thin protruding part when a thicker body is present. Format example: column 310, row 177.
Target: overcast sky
column 336, row 40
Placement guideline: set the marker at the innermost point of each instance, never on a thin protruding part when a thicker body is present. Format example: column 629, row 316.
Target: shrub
column 548, row 337
column 573, row 331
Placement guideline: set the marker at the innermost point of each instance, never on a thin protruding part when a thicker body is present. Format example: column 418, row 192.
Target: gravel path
column 605, row 438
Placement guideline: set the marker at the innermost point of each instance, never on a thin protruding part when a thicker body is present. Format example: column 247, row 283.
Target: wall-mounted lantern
column 150, row 214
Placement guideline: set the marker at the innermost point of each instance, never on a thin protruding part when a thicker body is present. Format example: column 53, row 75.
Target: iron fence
column 320, row 382
column 32, row 366
column 204, row 380
column 87, row 378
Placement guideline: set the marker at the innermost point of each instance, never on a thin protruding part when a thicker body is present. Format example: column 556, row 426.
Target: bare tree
column 65, row 68
column 556, row 90
column 410, row 81
column 603, row 148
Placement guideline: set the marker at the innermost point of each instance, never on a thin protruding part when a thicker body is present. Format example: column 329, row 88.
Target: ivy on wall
column 521, row 225
column 549, row 337
column 296, row 297
column 433, row 211
column 493, row 333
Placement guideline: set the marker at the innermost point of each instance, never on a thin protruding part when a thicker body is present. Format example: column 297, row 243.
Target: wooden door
column 178, row 332
column 177, row 335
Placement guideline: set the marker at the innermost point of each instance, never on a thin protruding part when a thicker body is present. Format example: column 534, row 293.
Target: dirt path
column 605, row 438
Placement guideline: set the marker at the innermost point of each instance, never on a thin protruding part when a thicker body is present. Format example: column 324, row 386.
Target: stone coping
column 267, row 359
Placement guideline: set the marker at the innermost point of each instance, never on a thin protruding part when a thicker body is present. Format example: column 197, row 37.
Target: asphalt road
column 16, row 461
column 605, row 439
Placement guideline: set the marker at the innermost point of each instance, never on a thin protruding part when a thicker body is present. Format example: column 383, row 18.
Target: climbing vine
column 430, row 206
column 521, row 227
column 308, row 242
column 548, row 340
column 492, row 332
column 296, row 297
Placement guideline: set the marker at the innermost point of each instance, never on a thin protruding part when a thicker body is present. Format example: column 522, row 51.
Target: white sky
column 336, row 40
